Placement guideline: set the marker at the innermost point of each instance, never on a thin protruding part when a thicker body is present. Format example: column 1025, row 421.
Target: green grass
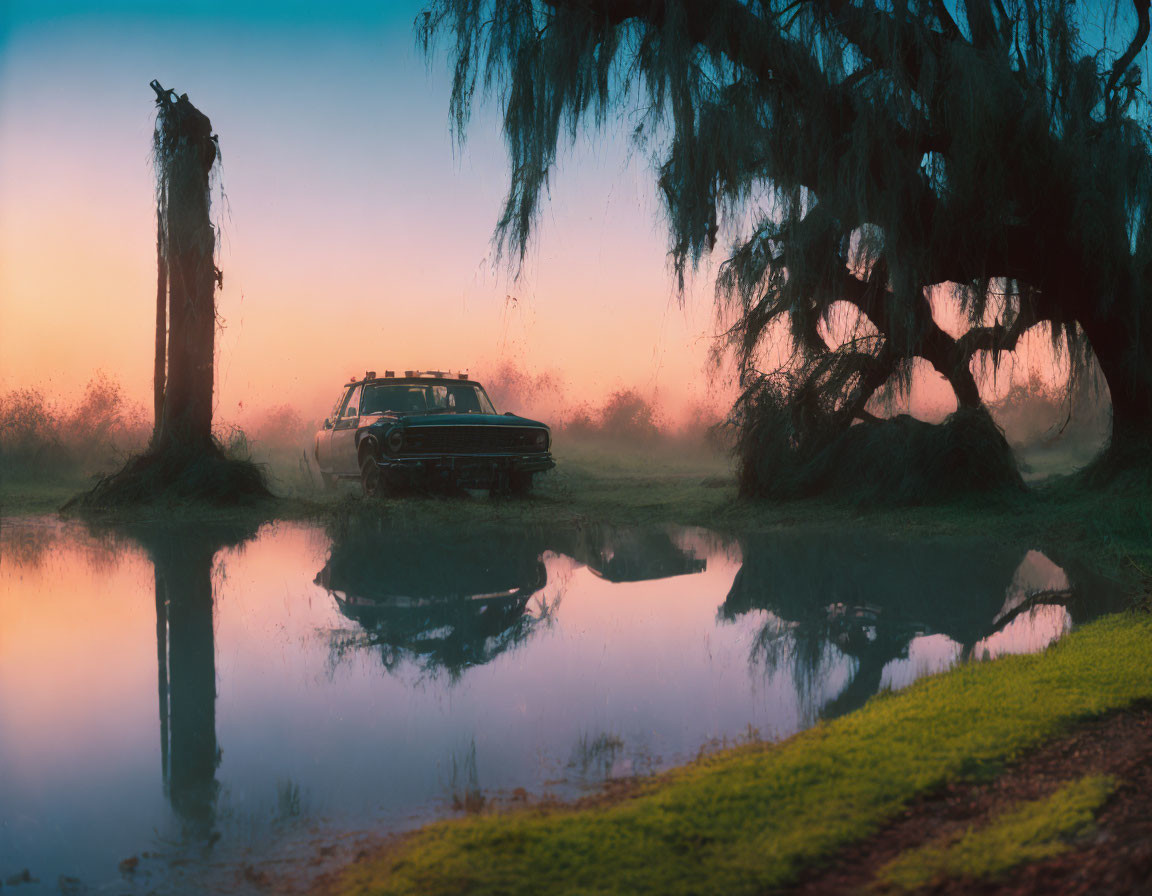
column 1030, row 832
column 745, row 820
column 27, row 494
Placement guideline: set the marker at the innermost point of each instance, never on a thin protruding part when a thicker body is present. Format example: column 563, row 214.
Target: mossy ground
column 750, row 819
column 1037, row 829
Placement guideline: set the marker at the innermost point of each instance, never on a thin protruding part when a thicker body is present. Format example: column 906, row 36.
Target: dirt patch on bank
column 1115, row 858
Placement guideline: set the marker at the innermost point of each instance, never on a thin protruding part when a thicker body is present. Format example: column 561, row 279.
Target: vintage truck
column 427, row 429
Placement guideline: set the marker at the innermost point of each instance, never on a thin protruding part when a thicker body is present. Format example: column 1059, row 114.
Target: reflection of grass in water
column 750, row 735
column 750, row 819
column 464, row 784
column 289, row 804
column 1029, row 832
column 596, row 755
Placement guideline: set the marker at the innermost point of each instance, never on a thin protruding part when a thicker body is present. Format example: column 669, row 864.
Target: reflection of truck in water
column 454, row 601
column 446, row 603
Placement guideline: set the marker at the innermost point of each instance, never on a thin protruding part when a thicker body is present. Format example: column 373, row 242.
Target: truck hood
column 463, row 420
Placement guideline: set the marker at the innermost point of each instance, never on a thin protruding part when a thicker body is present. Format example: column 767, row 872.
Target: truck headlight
column 542, row 440
column 395, row 441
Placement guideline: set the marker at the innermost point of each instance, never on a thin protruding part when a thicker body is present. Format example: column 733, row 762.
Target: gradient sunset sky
column 355, row 234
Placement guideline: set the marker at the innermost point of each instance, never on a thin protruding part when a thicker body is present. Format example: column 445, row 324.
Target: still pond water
column 189, row 710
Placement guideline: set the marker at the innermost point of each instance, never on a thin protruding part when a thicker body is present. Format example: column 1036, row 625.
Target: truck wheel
column 370, row 478
column 520, row 484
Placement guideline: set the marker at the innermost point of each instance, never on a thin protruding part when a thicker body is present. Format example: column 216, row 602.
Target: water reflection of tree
column 29, row 543
column 867, row 598
column 182, row 556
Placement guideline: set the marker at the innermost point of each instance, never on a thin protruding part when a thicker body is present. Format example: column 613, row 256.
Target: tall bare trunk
column 186, row 152
column 158, row 374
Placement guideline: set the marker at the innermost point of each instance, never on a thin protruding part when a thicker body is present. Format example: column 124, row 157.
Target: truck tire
column 371, row 480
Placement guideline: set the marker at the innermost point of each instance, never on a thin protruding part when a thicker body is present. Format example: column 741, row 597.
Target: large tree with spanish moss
column 884, row 156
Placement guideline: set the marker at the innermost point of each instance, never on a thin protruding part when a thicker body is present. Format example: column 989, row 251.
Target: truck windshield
column 422, row 399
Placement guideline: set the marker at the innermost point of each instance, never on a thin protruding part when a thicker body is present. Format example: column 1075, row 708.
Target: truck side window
column 340, row 402
column 351, row 406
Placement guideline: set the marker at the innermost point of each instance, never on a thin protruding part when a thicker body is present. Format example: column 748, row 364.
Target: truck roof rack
column 438, row 374
column 411, row 374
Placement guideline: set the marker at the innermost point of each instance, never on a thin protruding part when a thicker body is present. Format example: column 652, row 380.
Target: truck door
column 343, row 439
column 324, row 436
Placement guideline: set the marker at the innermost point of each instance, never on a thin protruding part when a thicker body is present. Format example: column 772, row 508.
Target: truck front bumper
column 464, row 470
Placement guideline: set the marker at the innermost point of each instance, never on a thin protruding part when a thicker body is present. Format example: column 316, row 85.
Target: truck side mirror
column 327, row 423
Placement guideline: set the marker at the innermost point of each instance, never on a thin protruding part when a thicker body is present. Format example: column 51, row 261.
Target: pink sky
column 353, row 237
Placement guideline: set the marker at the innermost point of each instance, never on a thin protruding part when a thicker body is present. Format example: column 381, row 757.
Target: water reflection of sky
column 300, row 702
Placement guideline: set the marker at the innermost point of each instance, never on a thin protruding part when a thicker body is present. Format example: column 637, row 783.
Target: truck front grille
column 470, row 440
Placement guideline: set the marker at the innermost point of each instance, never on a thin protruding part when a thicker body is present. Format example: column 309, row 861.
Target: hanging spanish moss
column 184, row 460
column 870, row 162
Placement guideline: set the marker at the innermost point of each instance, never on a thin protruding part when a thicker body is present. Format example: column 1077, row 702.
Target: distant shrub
column 514, row 389
column 105, row 423
column 629, row 415
column 29, row 431
column 283, row 428
column 626, row 416
column 96, row 432
column 705, row 427
column 1036, row 413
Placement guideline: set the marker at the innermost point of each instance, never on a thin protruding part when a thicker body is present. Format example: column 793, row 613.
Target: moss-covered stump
column 177, row 474
column 900, row 460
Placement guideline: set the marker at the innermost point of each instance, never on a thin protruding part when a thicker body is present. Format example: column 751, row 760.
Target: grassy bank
column 749, row 819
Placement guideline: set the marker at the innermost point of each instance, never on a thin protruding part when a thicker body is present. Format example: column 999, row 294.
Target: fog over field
column 92, row 430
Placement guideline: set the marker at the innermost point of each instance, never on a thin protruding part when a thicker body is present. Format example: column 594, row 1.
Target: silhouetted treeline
column 632, row 415
column 66, row 438
column 92, row 433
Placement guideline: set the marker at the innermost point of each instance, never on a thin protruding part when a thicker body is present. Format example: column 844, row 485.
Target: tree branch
column 1124, row 61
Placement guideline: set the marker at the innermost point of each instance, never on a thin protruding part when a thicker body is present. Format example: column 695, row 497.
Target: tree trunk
column 186, row 151
column 1120, row 345
column 158, row 372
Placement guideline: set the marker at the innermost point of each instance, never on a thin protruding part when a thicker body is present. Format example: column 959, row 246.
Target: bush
column 626, row 416
column 901, row 460
column 513, row 389
column 1035, row 413
column 29, row 432
column 37, row 436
